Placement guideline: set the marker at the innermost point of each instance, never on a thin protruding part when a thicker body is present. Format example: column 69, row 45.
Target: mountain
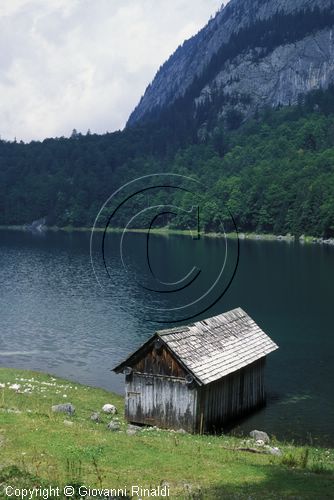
column 252, row 54
column 272, row 168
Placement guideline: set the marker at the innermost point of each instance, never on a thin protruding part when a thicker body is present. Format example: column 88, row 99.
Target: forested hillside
column 275, row 172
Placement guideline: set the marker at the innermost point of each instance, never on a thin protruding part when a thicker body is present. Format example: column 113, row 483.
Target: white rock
column 68, row 423
column 63, row 408
column 108, row 408
column 15, row 387
column 95, row 417
column 275, row 451
column 260, row 436
column 113, row 426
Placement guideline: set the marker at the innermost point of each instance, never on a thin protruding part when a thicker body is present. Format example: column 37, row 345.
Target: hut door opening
column 133, row 401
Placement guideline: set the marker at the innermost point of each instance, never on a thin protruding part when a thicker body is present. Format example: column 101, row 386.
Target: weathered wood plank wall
column 159, row 362
column 231, row 397
column 163, row 401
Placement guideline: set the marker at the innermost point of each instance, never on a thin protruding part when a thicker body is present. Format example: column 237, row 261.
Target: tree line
column 274, row 173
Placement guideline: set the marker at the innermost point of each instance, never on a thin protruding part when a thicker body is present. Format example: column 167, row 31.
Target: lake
column 55, row 317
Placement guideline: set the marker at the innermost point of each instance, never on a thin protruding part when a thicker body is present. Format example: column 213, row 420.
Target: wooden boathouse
column 198, row 377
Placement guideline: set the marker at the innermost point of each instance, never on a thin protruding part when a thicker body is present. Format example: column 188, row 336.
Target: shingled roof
column 215, row 347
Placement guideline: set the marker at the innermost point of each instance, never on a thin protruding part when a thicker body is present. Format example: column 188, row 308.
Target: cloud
column 83, row 64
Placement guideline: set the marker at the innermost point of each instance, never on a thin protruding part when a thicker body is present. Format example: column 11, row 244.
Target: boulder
column 131, row 432
column 68, row 423
column 15, row 387
column 260, row 436
column 113, row 426
column 111, row 409
column 95, row 417
column 64, row 408
column 133, row 429
column 275, row 451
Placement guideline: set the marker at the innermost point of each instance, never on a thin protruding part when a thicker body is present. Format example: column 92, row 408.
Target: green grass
column 38, row 448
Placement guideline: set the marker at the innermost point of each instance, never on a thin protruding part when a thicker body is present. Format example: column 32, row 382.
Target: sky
column 84, row 64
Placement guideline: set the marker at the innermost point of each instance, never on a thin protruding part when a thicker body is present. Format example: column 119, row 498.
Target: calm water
column 56, row 318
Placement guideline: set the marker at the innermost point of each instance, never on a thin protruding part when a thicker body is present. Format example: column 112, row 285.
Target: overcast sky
column 84, row 64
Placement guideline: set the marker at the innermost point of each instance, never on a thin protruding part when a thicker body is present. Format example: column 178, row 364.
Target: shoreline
column 304, row 239
column 16, row 374
column 54, row 441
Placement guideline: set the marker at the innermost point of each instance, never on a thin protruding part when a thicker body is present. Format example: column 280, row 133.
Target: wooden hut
column 198, row 377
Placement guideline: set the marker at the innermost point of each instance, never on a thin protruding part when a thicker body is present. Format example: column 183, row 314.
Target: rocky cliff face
column 257, row 75
column 278, row 79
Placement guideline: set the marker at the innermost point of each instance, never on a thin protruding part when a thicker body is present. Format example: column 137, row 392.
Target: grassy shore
column 165, row 231
column 42, row 448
